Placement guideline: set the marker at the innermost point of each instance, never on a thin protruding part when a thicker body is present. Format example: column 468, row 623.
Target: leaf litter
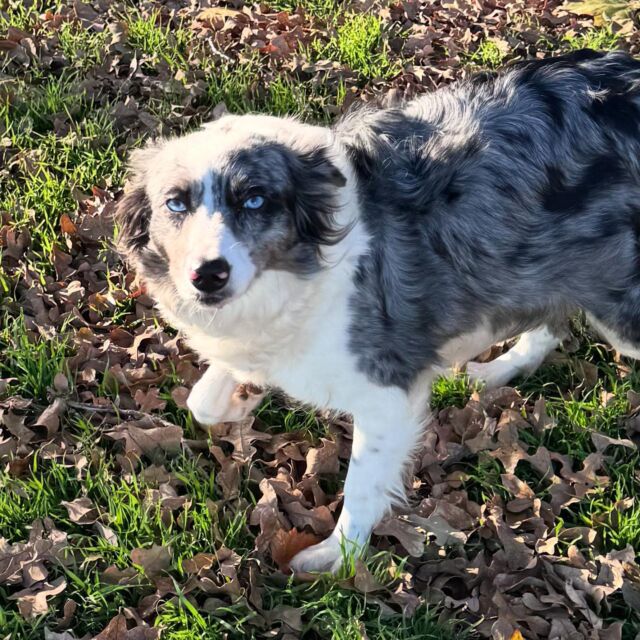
column 495, row 556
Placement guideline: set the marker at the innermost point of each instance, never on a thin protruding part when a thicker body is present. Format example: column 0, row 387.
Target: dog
column 349, row 266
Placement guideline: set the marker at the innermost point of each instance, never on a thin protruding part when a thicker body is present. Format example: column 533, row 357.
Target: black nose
column 211, row 276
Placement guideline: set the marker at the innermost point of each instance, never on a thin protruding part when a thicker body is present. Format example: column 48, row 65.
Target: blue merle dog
column 348, row 266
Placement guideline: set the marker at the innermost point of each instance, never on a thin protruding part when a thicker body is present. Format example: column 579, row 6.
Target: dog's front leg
column 385, row 434
column 218, row 397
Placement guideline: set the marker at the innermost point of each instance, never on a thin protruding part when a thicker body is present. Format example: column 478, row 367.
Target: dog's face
column 207, row 213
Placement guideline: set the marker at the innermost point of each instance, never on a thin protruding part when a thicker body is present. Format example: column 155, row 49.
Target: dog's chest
column 322, row 374
column 307, row 357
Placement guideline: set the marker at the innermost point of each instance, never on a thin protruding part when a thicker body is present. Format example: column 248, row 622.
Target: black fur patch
column 617, row 111
column 532, row 79
column 553, row 102
column 561, row 197
column 155, row 262
column 133, row 214
column 312, row 199
column 452, row 191
column 635, row 228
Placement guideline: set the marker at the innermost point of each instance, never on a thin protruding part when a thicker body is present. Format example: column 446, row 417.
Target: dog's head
column 207, row 213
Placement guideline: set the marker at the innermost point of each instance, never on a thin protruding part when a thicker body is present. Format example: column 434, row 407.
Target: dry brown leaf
column 286, row 544
column 117, row 630
column 405, row 532
column 323, row 459
column 81, row 510
column 212, row 14
column 141, row 439
column 242, row 436
column 602, row 441
column 319, row 519
column 149, row 400
column 49, row 419
column 52, row 635
column 154, row 561
column 67, row 225
column 363, row 579
column 32, row 602
column 199, row 562
column 107, row 533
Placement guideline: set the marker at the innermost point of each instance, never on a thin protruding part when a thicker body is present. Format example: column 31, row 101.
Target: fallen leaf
column 602, row 441
column 405, row 532
column 323, row 459
column 141, row 439
column 81, row 510
column 286, row 544
column 67, row 226
column 154, row 561
column 32, row 602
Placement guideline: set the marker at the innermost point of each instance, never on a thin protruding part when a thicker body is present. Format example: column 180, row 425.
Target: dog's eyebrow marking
column 212, row 191
column 197, row 193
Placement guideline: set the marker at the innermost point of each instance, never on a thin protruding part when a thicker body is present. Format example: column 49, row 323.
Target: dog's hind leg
column 524, row 357
column 617, row 341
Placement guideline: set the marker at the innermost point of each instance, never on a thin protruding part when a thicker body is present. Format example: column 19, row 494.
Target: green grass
column 360, row 44
column 85, row 47
column 22, row 16
column 603, row 39
column 49, row 165
column 451, row 391
column 488, row 55
column 274, row 412
column 30, row 358
column 240, row 89
column 614, row 511
column 156, row 41
column 361, row 47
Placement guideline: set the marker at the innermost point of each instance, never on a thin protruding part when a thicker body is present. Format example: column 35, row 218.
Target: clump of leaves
column 619, row 12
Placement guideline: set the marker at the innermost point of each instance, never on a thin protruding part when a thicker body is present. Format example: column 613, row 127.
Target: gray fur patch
column 287, row 233
column 509, row 199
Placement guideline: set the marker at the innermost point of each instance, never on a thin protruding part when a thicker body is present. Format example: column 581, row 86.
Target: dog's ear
column 316, row 183
column 133, row 210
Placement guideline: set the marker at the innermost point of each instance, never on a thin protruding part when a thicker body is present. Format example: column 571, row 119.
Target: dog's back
column 512, row 197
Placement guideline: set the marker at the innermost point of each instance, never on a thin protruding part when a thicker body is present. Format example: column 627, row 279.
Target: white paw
column 491, row 374
column 323, row 557
column 227, row 402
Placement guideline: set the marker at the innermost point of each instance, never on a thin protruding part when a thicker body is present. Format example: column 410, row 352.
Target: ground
column 121, row 518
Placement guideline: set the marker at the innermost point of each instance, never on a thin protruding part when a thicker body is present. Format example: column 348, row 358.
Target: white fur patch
column 457, row 352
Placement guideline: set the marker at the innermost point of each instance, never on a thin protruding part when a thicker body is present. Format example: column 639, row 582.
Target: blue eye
column 254, row 203
column 176, row 205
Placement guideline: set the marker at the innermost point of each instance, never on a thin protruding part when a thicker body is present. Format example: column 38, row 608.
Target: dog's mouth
column 213, row 299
